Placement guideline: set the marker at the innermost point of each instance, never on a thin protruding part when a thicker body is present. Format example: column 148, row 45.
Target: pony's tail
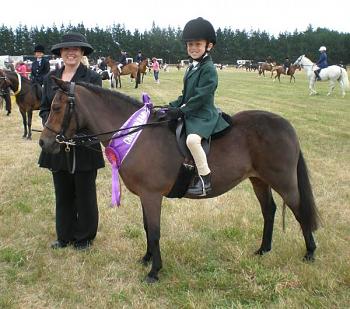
column 345, row 78
column 308, row 211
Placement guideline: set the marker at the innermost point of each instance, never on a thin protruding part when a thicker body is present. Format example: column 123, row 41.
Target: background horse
column 27, row 97
column 131, row 69
column 266, row 67
column 261, row 146
column 332, row 73
column 280, row 70
column 143, row 68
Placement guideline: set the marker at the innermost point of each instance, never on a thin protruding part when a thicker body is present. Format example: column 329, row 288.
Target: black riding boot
column 317, row 73
column 201, row 185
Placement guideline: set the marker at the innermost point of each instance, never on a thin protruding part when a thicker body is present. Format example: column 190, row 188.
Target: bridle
column 3, row 91
column 88, row 140
column 68, row 114
column 19, row 88
column 298, row 62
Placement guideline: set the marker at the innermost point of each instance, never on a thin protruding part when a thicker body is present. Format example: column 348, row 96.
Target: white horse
column 332, row 73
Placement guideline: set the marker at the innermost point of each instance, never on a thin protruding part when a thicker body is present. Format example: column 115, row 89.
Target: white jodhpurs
column 193, row 143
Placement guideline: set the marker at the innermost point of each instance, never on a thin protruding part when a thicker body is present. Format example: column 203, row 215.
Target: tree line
column 166, row 43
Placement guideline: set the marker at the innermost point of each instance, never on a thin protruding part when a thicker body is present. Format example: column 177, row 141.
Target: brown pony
column 280, row 70
column 27, row 96
column 131, row 69
column 143, row 68
column 260, row 146
column 266, row 67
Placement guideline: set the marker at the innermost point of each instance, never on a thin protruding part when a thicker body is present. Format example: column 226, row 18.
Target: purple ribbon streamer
column 119, row 147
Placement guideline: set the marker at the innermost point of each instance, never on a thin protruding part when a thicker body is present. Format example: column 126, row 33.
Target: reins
column 88, row 140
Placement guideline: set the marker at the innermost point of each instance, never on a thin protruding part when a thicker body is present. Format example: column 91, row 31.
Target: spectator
column 74, row 173
column 155, row 68
column 21, row 69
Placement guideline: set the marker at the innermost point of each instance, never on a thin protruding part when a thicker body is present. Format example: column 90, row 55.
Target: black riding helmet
column 199, row 29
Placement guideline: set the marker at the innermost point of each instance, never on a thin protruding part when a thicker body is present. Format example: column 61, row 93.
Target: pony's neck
column 14, row 79
column 105, row 111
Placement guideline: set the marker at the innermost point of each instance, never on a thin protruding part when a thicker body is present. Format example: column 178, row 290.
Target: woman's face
column 72, row 56
column 196, row 49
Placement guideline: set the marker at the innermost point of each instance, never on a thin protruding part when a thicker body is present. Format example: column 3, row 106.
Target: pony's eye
column 56, row 108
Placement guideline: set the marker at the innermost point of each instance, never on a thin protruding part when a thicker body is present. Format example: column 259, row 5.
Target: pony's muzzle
column 49, row 146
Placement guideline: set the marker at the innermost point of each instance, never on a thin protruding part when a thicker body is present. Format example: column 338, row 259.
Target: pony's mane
column 15, row 74
column 103, row 91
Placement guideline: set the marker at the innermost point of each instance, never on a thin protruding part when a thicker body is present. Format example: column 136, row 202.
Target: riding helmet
column 322, row 48
column 199, row 29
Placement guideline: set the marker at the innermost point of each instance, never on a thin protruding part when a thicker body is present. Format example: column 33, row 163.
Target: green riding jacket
column 197, row 100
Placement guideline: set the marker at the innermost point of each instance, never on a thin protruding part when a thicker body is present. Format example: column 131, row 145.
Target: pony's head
column 62, row 122
column 298, row 62
column 4, row 81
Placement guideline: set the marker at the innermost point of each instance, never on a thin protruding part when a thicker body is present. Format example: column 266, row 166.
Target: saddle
column 38, row 90
column 187, row 169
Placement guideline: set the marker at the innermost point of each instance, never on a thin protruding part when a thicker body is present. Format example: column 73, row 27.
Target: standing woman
column 155, row 67
column 74, row 173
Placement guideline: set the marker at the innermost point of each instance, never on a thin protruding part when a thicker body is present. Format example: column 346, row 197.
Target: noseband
column 68, row 114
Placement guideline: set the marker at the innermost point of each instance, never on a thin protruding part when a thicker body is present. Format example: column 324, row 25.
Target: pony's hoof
column 144, row 262
column 261, row 252
column 309, row 257
column 151, row 279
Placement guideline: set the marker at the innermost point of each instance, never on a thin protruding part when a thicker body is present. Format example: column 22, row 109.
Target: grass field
column 207, row 246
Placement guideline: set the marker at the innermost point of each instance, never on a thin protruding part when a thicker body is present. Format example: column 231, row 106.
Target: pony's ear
column 60, row 83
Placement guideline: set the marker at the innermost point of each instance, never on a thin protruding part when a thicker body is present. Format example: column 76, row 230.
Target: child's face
column 196, row 49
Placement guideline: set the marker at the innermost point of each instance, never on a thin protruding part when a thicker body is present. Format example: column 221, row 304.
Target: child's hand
column 174, row 113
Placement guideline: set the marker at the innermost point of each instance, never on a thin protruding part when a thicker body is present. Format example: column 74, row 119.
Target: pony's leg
column 147, row 257
column 29, row 116
column 268, row 208
column 24, row 121
column 151, row 204
column 342, row 87
column 299, row 198
column 312, row 87
column 275, row 77
column 308, row 237
column 331, row 87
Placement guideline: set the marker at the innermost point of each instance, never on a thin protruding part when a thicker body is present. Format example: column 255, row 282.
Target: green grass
column 207, row 246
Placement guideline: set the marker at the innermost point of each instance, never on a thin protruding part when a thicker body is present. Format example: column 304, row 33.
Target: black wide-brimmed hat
column 39, row 48
column 72, row 39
